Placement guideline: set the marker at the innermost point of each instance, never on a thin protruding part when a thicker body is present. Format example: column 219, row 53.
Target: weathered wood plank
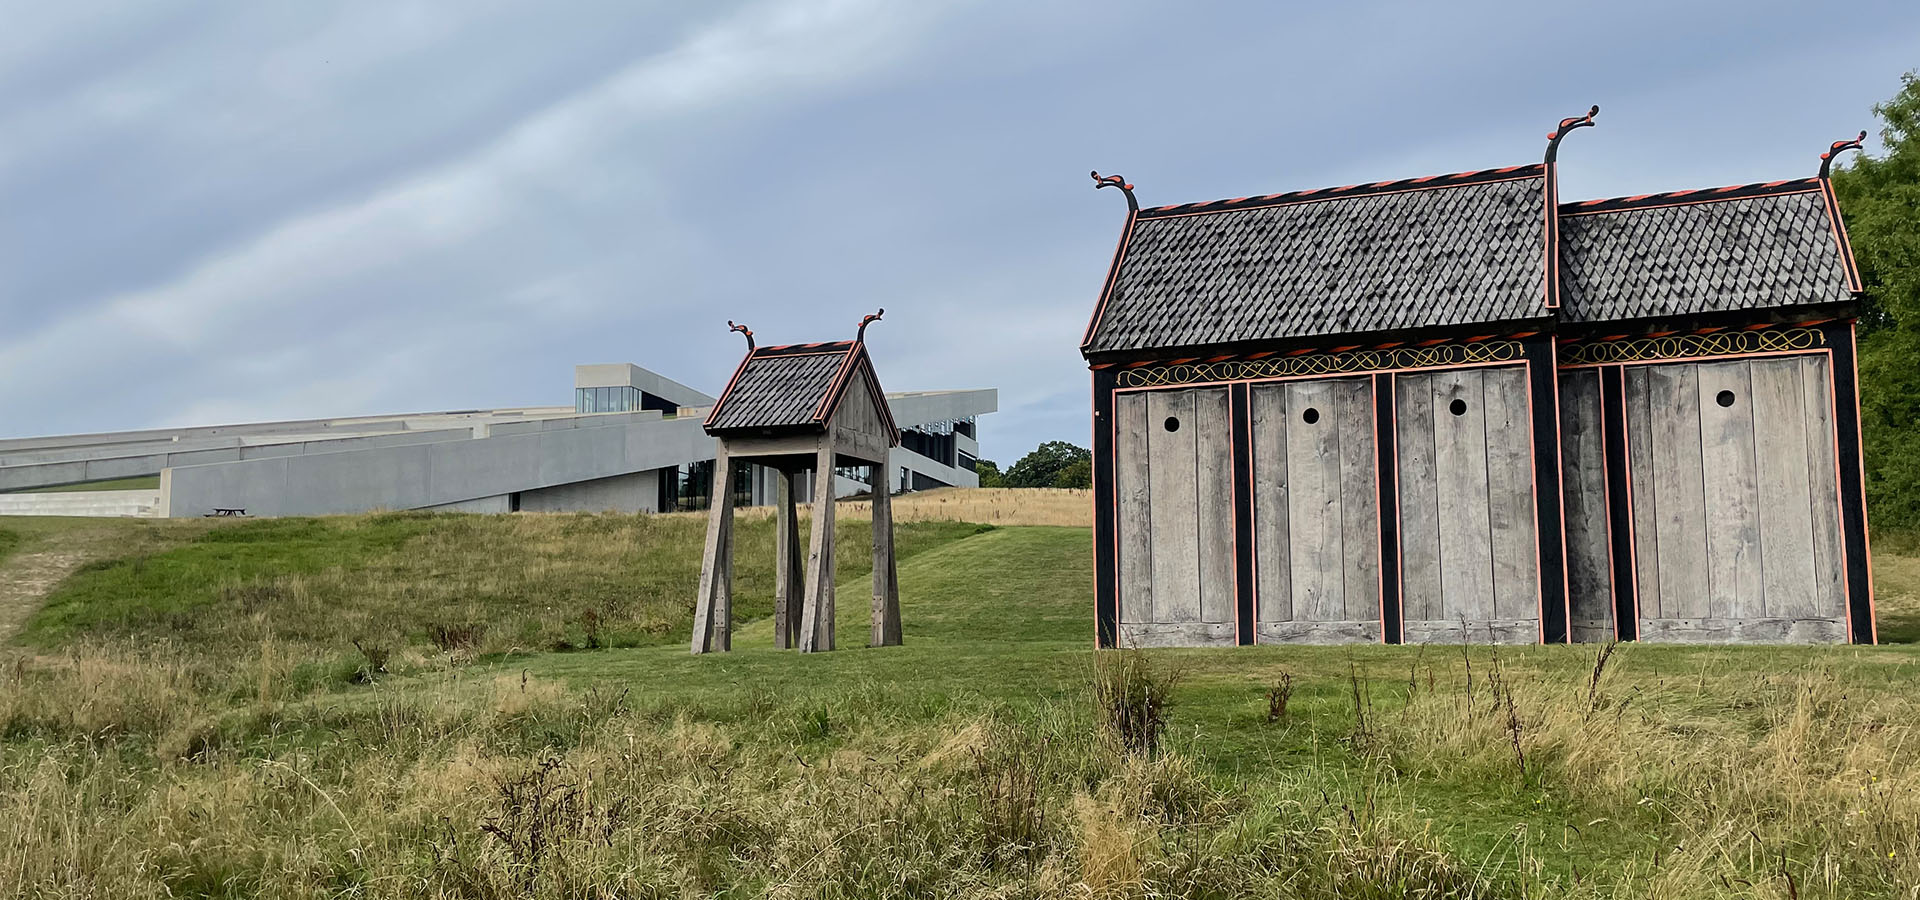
column 1785, row 503
column 1466, row 535
column 1673, row 405
column 1178, row 634
column 1364, row 632
column 1134, row 490
column 1213, row 444
column 1762, row 630
column 886, row 584
column 1485, row 631
column 1823, row 488
column 1583, row 474
column 1734, row 585
column 1420, row 523
column 1274, row 564
column 1175, row 509
column 711, row 625
column 1313, row 503
column 788, row 580
column 1359, row 501
column 1643, row 487
column 1510, row 506
column 816, row 625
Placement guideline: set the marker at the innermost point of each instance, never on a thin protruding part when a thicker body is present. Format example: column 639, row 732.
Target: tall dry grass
column 501, row 785
column 991, row 506
column 1805, row 790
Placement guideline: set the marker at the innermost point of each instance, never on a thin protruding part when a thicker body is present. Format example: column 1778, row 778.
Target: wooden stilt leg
column 796, row 571
column 886, row 590
column 816, row 625
column 788, row 581
column 712, row 606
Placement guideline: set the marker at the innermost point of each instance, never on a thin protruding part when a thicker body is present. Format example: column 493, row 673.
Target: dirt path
column 26, row 578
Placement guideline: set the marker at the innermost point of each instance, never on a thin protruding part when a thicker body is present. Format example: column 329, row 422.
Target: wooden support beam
column 816, row 619
column 886, row 580
column 713, row 605
column 788, row 576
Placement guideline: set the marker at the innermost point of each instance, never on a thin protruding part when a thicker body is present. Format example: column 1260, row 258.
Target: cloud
column 262, row 305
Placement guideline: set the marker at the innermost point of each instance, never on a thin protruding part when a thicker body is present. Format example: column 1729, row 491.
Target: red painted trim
column 1866, row 529
column 1379, row 501
column 1119, row 589
column 1533, row 492
column 1661, row 201
column 1633, row 533
column 1560, row 453
column 1550, row 240
column 1106, row 288
column 1302, row 198
column 1399, row 521
column 1606, row 490
column 727, row 394
column 1837, row 226
column 1839, row 491
column 1253, row 509
column 1233, row 500
column 835, row 388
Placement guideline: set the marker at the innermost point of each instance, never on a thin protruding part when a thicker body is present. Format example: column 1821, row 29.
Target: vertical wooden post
column 788, row 578
column 886, row 581
column 816, row 619
column 713, row 606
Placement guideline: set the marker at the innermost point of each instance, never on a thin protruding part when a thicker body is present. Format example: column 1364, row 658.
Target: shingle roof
column 1444, row 250
column 1743, row 248
column 792, row 387
column 780, row 387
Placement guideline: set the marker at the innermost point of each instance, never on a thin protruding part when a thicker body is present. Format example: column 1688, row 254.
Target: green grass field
column 190, row 716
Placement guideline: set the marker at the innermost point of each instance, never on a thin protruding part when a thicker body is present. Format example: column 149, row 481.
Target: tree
column 989, row 472
column 1077, row 474
column 1045, row 464
column 1880, row 197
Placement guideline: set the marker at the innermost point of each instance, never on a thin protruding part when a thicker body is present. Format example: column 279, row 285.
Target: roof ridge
column 1423, row 182
column 1691, row 195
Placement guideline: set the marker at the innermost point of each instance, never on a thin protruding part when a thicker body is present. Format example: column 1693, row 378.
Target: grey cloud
column 255, row 210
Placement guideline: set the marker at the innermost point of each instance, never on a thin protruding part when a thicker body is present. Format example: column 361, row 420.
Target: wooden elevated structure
column 796, row 408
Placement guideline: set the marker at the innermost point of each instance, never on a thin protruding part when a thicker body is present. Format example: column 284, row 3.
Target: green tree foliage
column 1044, row 466
column 1881, row 200
column 1077, row 474
column 989, row 472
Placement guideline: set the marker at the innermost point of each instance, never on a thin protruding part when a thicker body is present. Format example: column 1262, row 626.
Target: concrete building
column 632, row 441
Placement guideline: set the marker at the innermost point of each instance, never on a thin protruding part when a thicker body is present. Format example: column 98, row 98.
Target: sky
column 241, row 211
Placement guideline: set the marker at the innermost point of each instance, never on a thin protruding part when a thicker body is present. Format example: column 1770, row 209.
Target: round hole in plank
column 1724, row 398
column 1172, row 423
column 1458, row 407
column 1310, row 416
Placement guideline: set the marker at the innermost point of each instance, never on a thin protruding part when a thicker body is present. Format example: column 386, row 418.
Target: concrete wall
column 635, row 493
column 143, row 504
column 82, row 470
column 520, row 457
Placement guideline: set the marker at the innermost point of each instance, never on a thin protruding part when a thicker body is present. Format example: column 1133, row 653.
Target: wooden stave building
column 795, row 408
column 1236, row 314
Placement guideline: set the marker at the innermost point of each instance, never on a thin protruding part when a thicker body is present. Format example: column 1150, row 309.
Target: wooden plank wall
column 1175, row 491
column 1468, row 558
column 1733, row 467
column 1584, row 479
column 1316, row 512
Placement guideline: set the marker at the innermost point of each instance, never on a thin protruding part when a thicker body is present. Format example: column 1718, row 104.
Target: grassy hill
column 189, row 715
